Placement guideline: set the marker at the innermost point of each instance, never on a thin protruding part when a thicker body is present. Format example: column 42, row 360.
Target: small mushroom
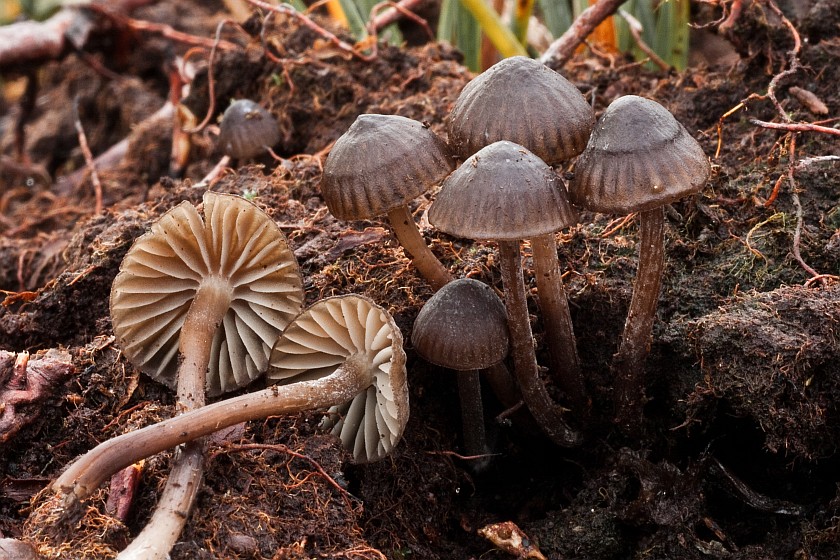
column 194, row 295
column 522, row 100
column 464, row 327
column 379, row 166
column 505, row 193
column 347, row 330
column 247, row 130
column 333, row 353
column 639, row 159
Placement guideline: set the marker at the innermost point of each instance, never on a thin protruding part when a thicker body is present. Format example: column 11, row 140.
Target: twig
column 398, row 9
column 404, row 8
column 561, row 50
column 83, row 144
column 797, row 127
column 288, row 10
column 160, row 28
column 211, row 84
column 636, row 29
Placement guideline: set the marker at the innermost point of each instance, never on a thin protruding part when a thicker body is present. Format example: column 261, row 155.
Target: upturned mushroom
column 639, row 159
column 195, row 295
column 522, row 100
column 505, row 193
column 338, row 350
column 379, row 166
column 463, row 327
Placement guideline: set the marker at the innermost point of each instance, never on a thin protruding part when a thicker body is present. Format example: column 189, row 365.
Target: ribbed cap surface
column 524, row 101
column 502, row 192
column 462, row 327
column 247, row 130
column 382, row 162
column 235, row 243
column 321, row 339
column 639, row 157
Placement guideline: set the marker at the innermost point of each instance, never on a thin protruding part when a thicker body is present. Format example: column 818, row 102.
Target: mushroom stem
column 502, row 384
column 629, row 362
column 536, row 398
column 409, row 236
column 472, row 417
column 86, row 474
column 206, row 312
column 559, row 333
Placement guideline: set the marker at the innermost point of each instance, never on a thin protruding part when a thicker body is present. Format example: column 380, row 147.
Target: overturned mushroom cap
column 239, row 249
column 502, row 192
column 247, row 130
column 462, row 327
column 321, row 339
column 381, row 163
column 639, row 157
column 524, row 101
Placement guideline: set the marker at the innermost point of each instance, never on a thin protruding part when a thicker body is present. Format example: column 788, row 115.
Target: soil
column 738, row 454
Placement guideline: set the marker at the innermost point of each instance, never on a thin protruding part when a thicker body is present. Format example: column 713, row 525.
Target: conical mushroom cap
column 639, row 157
column 524, row 101
column 381, row 163
column 235, row 242
column 247, row 130
column 502, row 192
column 462, row 327
column 321, row 339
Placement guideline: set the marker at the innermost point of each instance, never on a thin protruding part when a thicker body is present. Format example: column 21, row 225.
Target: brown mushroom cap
column 381, row 163
column 462, row 327
column 329, row 334
column 247, row 130
column 524, row 101
column 639, row 157
column 502, row 192
column 237, row 246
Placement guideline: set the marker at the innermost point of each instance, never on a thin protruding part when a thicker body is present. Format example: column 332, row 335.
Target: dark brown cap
column 502, row 192
column 247, row 130
column 381, row 163
column 639, row 157
column 524, row 101
column 462, row 327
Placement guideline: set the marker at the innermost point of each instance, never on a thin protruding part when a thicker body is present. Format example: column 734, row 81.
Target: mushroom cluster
column 208, row 301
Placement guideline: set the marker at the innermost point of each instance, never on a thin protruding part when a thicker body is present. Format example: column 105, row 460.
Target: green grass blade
column 671, row 38
column 557, row 15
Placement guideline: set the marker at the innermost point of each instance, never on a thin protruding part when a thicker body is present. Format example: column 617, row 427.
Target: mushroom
column 463, row 327
column 522, row 100
column 194, row 295
column 639, row 159
column 505, row 193
column 335, row 333
column 337, row 350
column 377, row 167
column 247, row 130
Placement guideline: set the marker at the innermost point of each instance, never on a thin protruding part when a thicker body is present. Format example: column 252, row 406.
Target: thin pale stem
column 409, row 236
column 86, row 474
column 559, row 333
column 155, row 541
column 543, row 409
column 629, row 362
